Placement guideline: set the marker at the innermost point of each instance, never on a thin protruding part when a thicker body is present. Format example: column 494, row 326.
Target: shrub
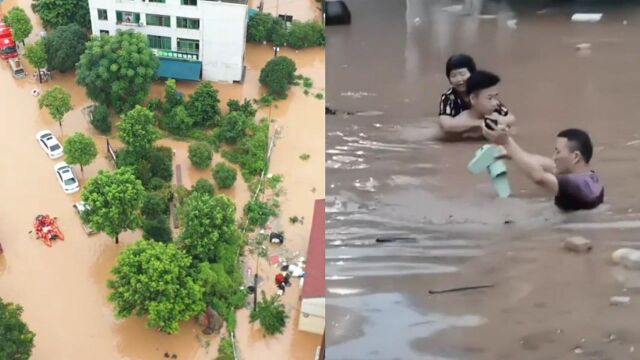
column 246, row 107
column 224, row 175
column 172, row 98
column 100, row 119
column 157, row 229
column 203, row 186
column 277, row 75
column 225, row 350
column 233, row 128
column 258, row 213
column 160, row 163
column 203, row 106
column 251, row 151
column 155, row 205
column 182, row 193
column 259, row 28
column 200, row 154
column 155, row 104
column 177, row 122
column 306, row 34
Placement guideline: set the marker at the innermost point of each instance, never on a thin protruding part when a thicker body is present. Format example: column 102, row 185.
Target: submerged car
column 66, row 178
column 81, row 207
column 50, row 144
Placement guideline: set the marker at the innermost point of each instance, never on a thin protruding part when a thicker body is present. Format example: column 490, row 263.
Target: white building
column 194, row 39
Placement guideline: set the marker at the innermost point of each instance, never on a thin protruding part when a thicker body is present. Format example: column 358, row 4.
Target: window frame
column 106, row 14
column 159, row 17
column 160, row 39
column 187, row 21
column 188, row 2
column 189, row 51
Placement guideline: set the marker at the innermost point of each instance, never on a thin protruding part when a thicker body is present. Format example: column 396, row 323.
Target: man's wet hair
column 579, row 141
column 460, row 61
column 481, row 80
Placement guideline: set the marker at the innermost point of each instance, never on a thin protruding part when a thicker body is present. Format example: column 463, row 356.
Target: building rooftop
column 314, row 276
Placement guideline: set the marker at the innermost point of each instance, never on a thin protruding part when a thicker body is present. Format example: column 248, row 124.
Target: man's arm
column 536, row 167
column 458, row 124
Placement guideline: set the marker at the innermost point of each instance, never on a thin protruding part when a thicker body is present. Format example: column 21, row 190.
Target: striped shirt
column 452, row 104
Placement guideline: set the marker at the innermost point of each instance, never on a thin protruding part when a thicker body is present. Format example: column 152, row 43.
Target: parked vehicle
column 81, row 207
column 8, row 49
column 66, row 178
column 16, row 68
column 50, row 144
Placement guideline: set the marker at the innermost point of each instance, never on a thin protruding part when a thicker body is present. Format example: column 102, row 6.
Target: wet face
column 565, row 159
column 485, row 101
column 458, row 79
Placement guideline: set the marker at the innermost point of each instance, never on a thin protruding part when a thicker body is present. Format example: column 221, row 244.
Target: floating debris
column 586, row 17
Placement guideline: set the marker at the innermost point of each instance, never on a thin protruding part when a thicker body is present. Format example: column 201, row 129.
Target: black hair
column 481, row 80
column 460, row 61
column 579, row 141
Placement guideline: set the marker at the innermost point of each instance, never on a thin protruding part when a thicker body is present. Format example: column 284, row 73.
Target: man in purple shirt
column 567, row 175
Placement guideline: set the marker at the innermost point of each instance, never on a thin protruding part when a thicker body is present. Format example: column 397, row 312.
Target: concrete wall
column 222, row 30
column 312, row 315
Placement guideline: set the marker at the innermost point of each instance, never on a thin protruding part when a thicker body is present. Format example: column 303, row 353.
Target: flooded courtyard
column 63, row 288
column 388, row 177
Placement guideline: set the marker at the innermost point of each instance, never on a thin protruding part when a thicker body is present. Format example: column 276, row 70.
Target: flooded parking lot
column 387, row 176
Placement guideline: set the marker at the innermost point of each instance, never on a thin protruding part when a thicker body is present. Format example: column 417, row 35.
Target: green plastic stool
column 485, row 160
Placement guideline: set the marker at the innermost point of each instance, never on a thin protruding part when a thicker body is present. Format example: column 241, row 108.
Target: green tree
column 80, row 150
column 64, row 47
column 114, row 200
column 56, row 13
column 137, row 130
column 258, row 213
column 233, row 128
column 157, row 229
column 224, row 175
column 225, row 350
column 16, row 340
column 36, row 55
column 178, row 122
column 203, row 186
column 171, row 97
column 251, row 151
column 306, row 34
column 277, row 75
column 204, row 106
column 200, row 154
column 246, row 107
column 279, row 34
column 154, row 279
column 271, row 314
column 20, row 23
column 154, row 205
column 118, row 70
column 101, row 119
column 259, row 28
column 58, row 102
column 209, row 222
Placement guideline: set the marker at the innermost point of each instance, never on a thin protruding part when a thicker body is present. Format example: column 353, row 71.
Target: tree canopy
column 80, row 150
column 204, row 106
column 224, row 175
column 209, row 222
column 271, row 314
column 58, row 102
column 55, row 13
column 137, row 130
column 117, row 71
column 16, row 340
column 200, row 154
column 64, row 47
column 114, row 201
column 277, row 75
column 20, row 23
column 154, row 279
column 36, row 54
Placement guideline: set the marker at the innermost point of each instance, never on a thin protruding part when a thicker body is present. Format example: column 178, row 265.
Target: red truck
column 8, row 47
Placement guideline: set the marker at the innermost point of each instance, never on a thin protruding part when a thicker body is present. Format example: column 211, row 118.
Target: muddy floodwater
column 63, row 288
column 386, row 176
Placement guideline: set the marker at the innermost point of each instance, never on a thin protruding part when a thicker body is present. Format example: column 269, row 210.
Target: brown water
column 386, row 176
column 63, row 288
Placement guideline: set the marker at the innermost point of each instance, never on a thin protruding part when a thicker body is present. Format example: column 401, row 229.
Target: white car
column 80, row 208
column 50, row 144
column 67, row 180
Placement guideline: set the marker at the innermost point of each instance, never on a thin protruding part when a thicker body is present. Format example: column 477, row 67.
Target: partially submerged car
column 81, row 207
column 66, row 178
column 50, row 144
column 16, row 68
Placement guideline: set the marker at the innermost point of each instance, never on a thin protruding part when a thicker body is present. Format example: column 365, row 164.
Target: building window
column 127, row 17
column 102, row 14
column 187, row 23
column 104, row 32
column 159, row 20
column 189, row 2
column 157, row 1
column 188, row 45
column 159, row 42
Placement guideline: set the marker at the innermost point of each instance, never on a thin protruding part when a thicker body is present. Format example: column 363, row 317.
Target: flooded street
column 63, row 288
column 386, row 176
